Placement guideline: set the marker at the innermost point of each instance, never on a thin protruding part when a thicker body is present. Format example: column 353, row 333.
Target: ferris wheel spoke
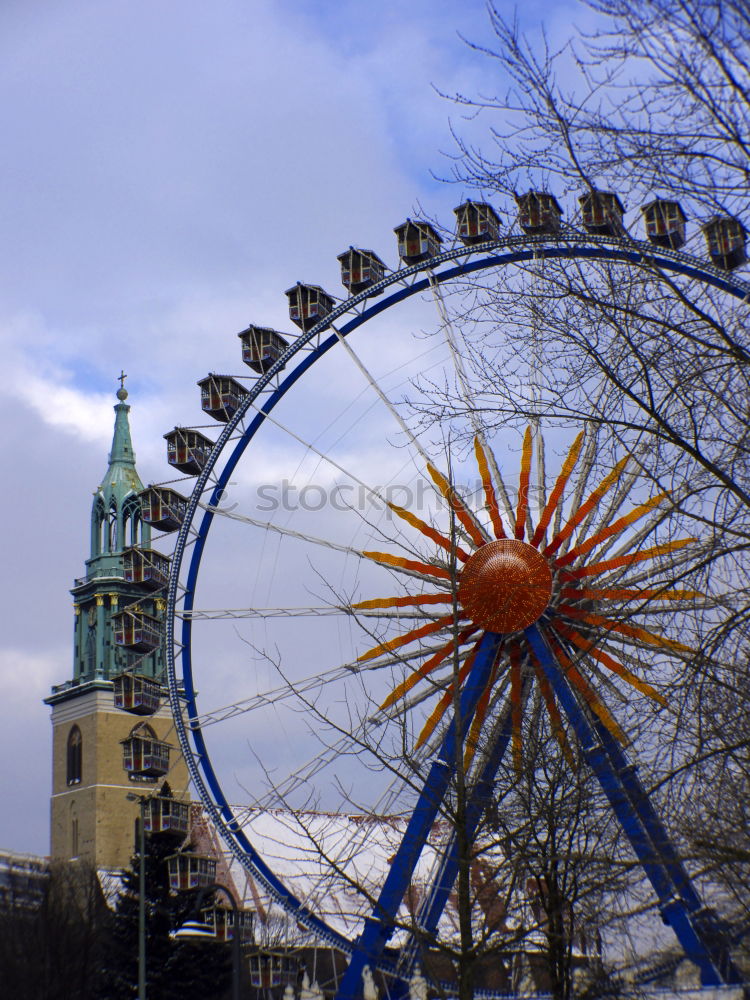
column 319, row 611
column 601, row 517
column 466, row 394
column 370, row 490
column 596, row 569
column 552, row 505
column 612, row 664
column 470, row 523
column 302, row 536
column 626, row 637
column 302, row 776
column 585, row 466
column 328, row 758
column 380, row 392
column 288, row 691
column 353, row 740
column 611, row 529
column 412, row 568
column 580, row 512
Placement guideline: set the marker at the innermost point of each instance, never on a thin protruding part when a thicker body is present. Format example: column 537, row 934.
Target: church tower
column 91, row 816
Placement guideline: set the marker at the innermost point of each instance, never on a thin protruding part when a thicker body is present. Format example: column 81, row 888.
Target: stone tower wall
column 105, row 817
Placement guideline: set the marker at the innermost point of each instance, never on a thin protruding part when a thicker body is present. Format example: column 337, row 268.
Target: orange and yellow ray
column 460, row 509
column 445, row 702
column 426, row 569
column 489, row 489
column 587, row 506
column 557, row 490
column 613, row 529
column 403, row 602
column 632, row 631
column 594, row 569
column 590, row 697
column 628, row 594
column 428, row 666
column 429, row 531
column 523, row 486
column 412, row 636
column 610, row 663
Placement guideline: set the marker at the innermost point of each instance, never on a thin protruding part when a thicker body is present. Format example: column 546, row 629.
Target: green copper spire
column 116, row 512
column 121, row 477
column 105, row 590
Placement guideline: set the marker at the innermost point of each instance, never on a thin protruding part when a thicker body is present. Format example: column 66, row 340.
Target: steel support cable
column 302, row 536
column 375, row 386
column 287, row 691
column 450, row 339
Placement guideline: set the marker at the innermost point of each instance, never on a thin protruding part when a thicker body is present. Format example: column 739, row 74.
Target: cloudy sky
column 167, row 169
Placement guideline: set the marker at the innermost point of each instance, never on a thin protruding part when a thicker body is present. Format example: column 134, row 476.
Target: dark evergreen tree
column 175, row 970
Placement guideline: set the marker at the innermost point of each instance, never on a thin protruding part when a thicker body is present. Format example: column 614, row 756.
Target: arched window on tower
column 112, row 527
column 74, row 756
column 97, row 527
column 131, row 519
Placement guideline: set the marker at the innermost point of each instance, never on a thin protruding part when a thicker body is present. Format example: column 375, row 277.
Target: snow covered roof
column 336, row 864
column 110, row 882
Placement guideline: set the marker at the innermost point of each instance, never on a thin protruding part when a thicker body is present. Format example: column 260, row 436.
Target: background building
column 91, row 817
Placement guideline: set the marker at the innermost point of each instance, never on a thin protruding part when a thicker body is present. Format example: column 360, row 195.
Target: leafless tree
column 650, row 99
column 54, row 950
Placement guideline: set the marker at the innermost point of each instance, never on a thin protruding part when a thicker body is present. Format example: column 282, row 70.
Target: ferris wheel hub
column 505, row 586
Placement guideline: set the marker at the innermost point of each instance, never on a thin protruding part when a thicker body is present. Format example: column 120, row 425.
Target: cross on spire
column 122, row 392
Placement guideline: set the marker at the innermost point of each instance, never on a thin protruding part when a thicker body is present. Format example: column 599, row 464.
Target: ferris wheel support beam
column 380, row 925
column 700, row 940
column 703, row 917
column 476, row 806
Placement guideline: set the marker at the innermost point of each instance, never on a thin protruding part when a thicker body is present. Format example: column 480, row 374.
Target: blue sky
column 168, row 168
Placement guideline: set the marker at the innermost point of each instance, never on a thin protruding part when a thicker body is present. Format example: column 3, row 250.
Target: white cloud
column 26, row 673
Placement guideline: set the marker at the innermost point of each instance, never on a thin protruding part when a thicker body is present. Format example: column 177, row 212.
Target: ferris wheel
column 364, row 627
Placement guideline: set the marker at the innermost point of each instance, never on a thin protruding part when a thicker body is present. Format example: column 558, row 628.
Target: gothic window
column 74, row 756
column 131, row 519
column 74, row 838
column 112, row 528
column 98, row 526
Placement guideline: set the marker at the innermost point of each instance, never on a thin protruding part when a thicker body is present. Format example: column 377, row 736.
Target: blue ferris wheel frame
column 480, row 257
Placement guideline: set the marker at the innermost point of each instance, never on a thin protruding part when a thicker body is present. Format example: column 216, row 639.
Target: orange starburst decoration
column 508, row 582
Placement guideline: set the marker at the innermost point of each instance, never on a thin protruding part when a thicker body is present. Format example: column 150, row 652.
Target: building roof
column 299, row 846
column 121, row 479
column 22, row 879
